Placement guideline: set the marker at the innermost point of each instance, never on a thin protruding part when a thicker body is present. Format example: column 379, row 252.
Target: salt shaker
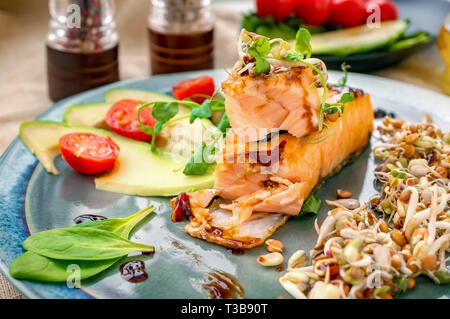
column 82, row 46
column 180, row 35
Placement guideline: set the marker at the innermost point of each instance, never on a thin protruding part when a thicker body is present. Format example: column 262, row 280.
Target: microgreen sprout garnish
column 162, row 112
column 224, row 123
column 332, row 108
column 320, row 138
column 204, row 111
column 311, row 205
column 201, row 160
column 302, row 42
column 257, row 53
column 343, row 81
column 197, row 164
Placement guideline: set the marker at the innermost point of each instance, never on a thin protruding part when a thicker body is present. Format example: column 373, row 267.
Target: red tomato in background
column 388, row 9
column 88, row 153
column 278, row 9
column 203, row 85
column 122, row 119
column 313, row 12
column 347, row 13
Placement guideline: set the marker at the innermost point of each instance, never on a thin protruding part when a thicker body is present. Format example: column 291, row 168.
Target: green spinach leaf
column 82, row 243
column 31, row 266
column 119, row 226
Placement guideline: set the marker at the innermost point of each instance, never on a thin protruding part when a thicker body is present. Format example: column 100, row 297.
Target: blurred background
column 23, row 61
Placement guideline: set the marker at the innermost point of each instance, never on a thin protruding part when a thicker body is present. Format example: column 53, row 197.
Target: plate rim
column 421, row 95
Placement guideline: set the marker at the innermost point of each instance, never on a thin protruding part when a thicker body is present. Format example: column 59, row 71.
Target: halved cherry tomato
column 203, row 85
column 347, row 13
column 122, row 119
column 313, row 12
column 278, row 9
column 388, row 9
column 88, row 153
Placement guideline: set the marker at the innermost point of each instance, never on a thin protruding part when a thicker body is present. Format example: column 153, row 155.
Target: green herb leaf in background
column 405, row 42
column 311, row 205
column 270, row 28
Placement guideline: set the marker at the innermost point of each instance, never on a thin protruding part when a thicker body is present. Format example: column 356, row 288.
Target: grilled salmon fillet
column 287, row 99
column 260, row 185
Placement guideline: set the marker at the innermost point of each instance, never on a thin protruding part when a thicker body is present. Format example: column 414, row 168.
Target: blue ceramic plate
column 32, row 200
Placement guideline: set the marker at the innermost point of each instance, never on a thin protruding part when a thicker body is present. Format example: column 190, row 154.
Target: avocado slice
column 357, row 39
column 138, row 171
column 92, row 114
column 114, row 95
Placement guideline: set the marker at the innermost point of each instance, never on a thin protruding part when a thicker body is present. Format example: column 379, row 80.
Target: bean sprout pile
column 376, row 250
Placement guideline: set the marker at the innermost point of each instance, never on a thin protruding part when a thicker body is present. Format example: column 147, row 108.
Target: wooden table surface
column 23, row 27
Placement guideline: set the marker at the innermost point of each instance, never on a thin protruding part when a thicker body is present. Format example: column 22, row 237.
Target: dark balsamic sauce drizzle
column 221, row 285
column 380, row 113
column 271, row 135
column 346, row 89
column 236, row 252
column 88, row 218
column 182, row 208
column 134, row 271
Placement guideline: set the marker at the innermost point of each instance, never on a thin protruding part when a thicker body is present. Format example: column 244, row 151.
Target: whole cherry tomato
column 347, row 13
column 388, row 9
column 278, row 9
column 313, row 12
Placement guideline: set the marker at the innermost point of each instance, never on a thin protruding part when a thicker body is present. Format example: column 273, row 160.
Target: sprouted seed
column 376, row 251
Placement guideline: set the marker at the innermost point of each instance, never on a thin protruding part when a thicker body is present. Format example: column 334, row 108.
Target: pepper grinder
column 180, row 35
column 82, row 46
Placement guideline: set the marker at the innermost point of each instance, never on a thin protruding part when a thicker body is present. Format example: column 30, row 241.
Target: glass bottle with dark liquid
column 181, row 35
column 82, row 46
